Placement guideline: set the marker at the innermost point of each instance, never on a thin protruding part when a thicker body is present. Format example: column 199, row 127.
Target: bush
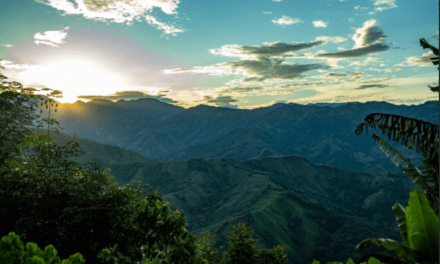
column 12, row 251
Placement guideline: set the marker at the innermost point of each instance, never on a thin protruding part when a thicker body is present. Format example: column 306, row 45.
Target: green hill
column 318, row 212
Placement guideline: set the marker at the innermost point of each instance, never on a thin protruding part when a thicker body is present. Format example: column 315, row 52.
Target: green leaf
column 399, row 212
column 423, row 226
column 389, row 244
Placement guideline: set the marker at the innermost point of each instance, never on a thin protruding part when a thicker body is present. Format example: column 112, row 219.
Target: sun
column 75, row 77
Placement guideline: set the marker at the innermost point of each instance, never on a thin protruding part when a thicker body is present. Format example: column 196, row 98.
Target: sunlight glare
column 76, row 77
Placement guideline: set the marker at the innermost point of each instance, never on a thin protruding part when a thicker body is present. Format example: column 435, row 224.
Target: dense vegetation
column 48, row 199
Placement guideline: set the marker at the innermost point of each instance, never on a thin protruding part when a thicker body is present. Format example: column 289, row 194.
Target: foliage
column 206, row 251
column 434, row 60
column 419, row 227
column 17, row 106
column 427, row 144
column 13, row 252
column 419, row 224
column 79, row 209
column 241, row 248
column 371, row 260
column 156, row 229
column 47, row 198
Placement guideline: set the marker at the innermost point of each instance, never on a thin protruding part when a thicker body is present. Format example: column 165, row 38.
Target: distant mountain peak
column 147, row 103
column 202, row 107
column 79, row 102
column 147, row 99
column 101, row 102
column 333, row 105
column 140, row 101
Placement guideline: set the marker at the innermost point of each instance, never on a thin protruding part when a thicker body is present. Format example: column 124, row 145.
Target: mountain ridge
column 310, row 208
column 322, row 134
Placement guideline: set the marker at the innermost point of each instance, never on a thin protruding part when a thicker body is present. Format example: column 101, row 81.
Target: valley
column 312, row 209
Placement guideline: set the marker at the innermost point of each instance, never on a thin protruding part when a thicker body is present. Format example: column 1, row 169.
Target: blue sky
column 228, row 53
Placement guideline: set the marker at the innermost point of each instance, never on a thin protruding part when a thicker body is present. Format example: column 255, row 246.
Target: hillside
column 317, row 211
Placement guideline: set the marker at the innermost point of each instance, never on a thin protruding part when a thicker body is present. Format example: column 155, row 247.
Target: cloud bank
column 119, row 11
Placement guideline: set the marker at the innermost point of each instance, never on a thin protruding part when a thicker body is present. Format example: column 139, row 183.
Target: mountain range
column 321, row 133
column 317, row 211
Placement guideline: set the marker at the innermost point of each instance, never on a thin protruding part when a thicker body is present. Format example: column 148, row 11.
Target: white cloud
column 369, row 34
column 232, row 51
column 423, row 61
column 360, row 8
column 285, row 20
column 319, row 23
column 219, row 69
column 51, row 38
column 331, row 39
column 7, row 45
column 274, row 50
column 367, row 61
column 118, row 11
column 382, row 5
column 167, row 29
column 387, row 70
column 277, row 0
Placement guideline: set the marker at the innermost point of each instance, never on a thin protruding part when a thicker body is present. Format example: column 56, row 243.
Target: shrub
column 13, row 252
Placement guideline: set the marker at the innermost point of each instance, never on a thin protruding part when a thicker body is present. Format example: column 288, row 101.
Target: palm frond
column 402, row 162
column 392, row 153
column 426, row 45
column 434, row 89
column 420, row 178
column 409, row 131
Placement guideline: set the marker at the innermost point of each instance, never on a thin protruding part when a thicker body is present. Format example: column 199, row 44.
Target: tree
column 17, row 114
column 49, row 199
column 51, row 103
column 241, row 248
column 411, row 131
column 425, row 136
column 434, row 60
column 13, row 251
column 207, row 252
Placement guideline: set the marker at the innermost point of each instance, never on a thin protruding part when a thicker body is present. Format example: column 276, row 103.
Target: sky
column 231, row 53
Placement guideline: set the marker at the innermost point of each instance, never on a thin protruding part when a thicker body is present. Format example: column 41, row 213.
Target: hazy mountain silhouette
column 322, row 134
